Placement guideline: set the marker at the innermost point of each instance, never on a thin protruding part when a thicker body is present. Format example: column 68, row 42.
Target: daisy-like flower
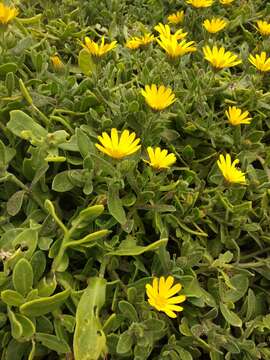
column 237, row 117
column 160, row 159
column 229, row 170
column 165, row 31
column 176, row 18
column 135, row 42
column 96, row 49
column 7, row 13
column 57, row 62
column 200, row 3
column 226, row 2
column 118, row 148
column 220, row 58
column 158, row 98
column 260, row 61
column 173, row 48
column 263, row 27
column 214, row 25
column 147, row 39
column 161, row 295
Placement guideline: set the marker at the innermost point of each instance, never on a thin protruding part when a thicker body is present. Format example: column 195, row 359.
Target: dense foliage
column 82, row 233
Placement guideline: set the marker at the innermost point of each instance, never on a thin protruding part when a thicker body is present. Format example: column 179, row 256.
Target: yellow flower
column 118, row 148
column 220, row 58
column 135, row 42
column 263, row 27
column 176, row 18
column 226, row 2
column 214, row 25
column 260, row 61
column 7, row 13
column 165, row 31
column 229, row 170
column 147, row 39
column 57, row 62
column 161, row 295
column 98, row 50
column 175, row 49
column 237, row 117
column 159, row 159
column 200, row 3
column 158, row 98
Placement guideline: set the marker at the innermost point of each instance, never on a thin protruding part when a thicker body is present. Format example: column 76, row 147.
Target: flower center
column 161, row 301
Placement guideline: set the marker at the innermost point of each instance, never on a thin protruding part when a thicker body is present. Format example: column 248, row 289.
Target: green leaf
column 8, row 67
column 115, row 205
column 230, row 316
column 12, row 298
column 89, row 338
column 27, row 240
column 15, row 202
column 240, row 283
column 2, row 155
column 86, row 63
column 16, row 327
column 89, row 214
column 128, row 248
column 44, row 305
column 27, row 325
column 19, row 121
column 68, row 321
column 84, row 143
column 47, row 285
column 88, row 239
column 38, row 263
column 125, row 343
column 16, row 350
column 251, row 304
column 61, row 182
column 128, row 310
column 53, row 343
column 22, row 277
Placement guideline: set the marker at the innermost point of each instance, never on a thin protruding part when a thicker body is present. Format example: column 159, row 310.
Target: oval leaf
column 15, row 202
column 230, row 316
column 22, row 277
column 53, row 343
column 45, row 305
column 115, row 205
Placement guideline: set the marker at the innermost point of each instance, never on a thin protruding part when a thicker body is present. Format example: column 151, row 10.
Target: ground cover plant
column 134, row 179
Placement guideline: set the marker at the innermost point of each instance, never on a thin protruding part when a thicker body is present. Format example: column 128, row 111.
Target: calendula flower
column 160, row 159
column 158, row 98
column 214, row 25
column 263, row 27
column 161, row 295
column 237, row 117
column 7, row 13
column 118, row 148
column 173, row 48
column 226, row 2
column 200, row 3
column 220, row 58
column 260, row 61
column 176, row 18
column 229, row 170
column 165, row 31
column 57, row 62
column 96, row 49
